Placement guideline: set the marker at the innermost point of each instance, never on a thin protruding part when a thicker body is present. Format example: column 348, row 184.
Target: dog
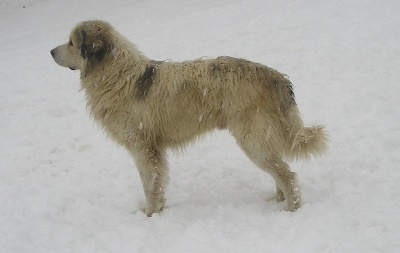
column 150, row 106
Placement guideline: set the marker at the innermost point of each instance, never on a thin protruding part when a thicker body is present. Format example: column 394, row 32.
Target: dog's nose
column 52, row 52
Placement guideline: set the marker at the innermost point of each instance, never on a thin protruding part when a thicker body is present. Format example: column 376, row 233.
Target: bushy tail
column 307, row 142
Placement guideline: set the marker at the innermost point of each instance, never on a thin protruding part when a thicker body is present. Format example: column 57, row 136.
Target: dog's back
column 231, row 93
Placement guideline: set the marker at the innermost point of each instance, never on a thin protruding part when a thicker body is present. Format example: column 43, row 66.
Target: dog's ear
column 94, row 44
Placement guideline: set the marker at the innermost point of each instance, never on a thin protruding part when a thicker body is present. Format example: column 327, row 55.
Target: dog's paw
column 149, row 210
column 295, row 200
column 277, row 198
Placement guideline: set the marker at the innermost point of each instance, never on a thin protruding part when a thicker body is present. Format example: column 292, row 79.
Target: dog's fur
column 148, row 106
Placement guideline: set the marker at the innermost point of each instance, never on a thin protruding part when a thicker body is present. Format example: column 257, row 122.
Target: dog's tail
column 306, row 142
column 302, row 142
column 299, row 142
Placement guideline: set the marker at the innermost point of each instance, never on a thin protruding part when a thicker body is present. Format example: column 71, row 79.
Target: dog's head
column 88, row 44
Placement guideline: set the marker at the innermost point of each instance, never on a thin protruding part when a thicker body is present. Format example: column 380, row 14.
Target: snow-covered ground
column 65, row 188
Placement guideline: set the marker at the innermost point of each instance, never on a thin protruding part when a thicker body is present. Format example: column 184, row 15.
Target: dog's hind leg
column 286, row 183
column 286, row 180
column 263, row 155
column 153, row 170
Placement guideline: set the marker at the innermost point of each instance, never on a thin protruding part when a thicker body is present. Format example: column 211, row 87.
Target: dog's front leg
column 153, row 170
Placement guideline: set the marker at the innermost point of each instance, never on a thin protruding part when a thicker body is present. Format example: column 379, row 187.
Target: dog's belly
column 185, row 127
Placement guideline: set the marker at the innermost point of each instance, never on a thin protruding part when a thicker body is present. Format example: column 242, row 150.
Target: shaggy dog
column 149, row 106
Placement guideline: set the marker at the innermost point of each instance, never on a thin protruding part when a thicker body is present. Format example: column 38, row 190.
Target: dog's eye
column 70, row 43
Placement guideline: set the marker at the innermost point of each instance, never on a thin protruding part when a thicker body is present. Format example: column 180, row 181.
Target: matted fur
column 149, row 106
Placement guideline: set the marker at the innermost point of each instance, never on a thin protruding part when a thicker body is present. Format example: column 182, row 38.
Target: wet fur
column 148, row 107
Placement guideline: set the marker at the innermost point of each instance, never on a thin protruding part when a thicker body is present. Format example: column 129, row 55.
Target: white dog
column 149, row 106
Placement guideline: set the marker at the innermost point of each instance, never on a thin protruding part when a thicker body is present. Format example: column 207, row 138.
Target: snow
column 66, row 188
